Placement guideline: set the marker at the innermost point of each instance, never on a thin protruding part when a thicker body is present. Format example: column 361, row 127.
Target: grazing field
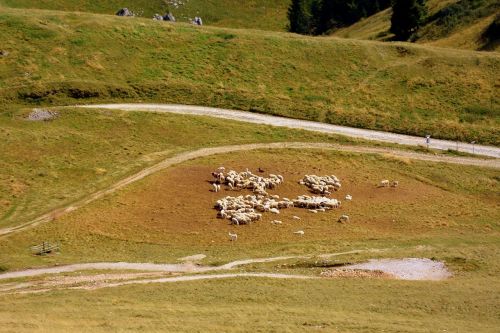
column 127, row 198
column 170, row 214
column 253, row 305
column 446, row 212
column 44, row 165
column 62, row 58
column 256, row 14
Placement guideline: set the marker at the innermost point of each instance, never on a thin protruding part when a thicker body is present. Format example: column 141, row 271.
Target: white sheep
column 343, row 218
column 275, row 222
column 323, row 185
column 296, row 217
column 348, row 197
column 233, row 237
column 384, row 183
column 300, row 233
column 395, row 183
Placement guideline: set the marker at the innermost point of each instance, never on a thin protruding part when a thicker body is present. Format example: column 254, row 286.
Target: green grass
column 257, row 14
column 259, row 305
column 65, row 58
column 47, row 164
column 434, row 209
column 455, row 24
column 441, row 211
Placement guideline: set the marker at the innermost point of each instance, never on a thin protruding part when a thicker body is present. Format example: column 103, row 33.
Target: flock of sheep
column 246, row 209
column 245, row 180
column 321, row 185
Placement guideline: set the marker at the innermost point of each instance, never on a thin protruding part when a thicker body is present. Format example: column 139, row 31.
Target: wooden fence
column 45, row 248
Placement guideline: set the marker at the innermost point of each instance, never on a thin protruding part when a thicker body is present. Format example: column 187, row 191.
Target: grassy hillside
column 44, row 165
column 145, row 220
column 257, row 14
column 428, row 215
column 64, row 58
column 260, row 305
column 148, row 7
column 456, row 24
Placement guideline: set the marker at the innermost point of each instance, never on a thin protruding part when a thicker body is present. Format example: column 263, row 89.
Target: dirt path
column 257, row 118
column 92, row 282
column 403, row 269
column 493, row 163
column 186, row 267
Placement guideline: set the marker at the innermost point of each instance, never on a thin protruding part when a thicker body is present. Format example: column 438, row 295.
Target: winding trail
column 182, row 157
column 169, row 268
column 403, row 269
column 256, row 118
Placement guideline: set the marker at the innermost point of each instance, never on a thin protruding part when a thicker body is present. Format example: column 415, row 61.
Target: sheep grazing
column 300, row 233
column 343, row 218
column 313, row 211
column 323, row 185
column 215, row 187
column 243, row 209
column 348, row 197
column 233, row 237
column 394, row 183
column 384, row 183
column 274, row 211
column 314, row 203
column 276, row 222
column 296, row 217
column 247, row 180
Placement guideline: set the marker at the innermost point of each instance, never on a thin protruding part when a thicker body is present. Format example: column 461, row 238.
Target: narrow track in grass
column 203, row 152
column 168, row 268
column 52, row 278
column 256, row 118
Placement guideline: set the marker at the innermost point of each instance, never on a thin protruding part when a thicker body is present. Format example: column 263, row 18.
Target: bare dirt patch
column 176, row 206
column 355, row 273
column 406, row 269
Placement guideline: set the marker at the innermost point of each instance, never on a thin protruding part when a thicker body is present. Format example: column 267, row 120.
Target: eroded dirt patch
column 404, row 269
column 355, row 273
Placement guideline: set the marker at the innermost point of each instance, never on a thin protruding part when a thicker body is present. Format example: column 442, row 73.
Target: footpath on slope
column 182, row 157
column 257, row 118
column 404, row 269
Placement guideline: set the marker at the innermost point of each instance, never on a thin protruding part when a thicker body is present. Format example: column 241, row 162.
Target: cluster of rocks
column 167, row 17
column 323, row 185
column 157, row 17
column 197, row 21
column 354, row 273
column 42, row 115
column 125, row 12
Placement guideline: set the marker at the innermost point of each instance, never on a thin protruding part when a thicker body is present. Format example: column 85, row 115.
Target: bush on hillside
column 407, row 17
column 462, row 13
column 320, row 16
column 299, row 16
column 491, row 35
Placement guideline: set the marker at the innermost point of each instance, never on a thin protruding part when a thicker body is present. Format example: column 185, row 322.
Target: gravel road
column 257, row 118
